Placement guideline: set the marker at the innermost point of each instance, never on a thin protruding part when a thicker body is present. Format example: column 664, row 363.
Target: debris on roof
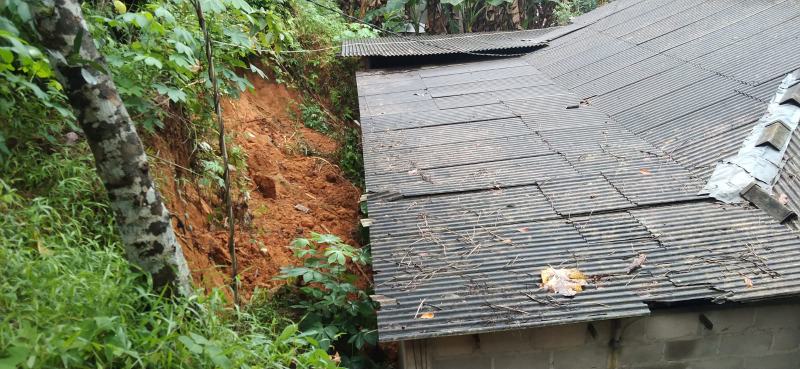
column 587, row 154
column 462, row 43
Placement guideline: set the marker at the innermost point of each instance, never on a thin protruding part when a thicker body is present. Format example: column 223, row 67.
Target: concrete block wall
column 742, row 337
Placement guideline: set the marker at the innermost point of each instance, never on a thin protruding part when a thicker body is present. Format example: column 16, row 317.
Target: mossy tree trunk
column 142, row 219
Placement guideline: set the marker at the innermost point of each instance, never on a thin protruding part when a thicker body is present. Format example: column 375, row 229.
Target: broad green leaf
column 326, row 238
column 218, row 357
column 190, row 345
column 164, row 14
column 174, row 94
column 287, row 332
column 15, row 356
column 153, row 62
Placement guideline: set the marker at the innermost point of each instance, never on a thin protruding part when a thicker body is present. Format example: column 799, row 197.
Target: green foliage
column 335, row 311
column 568, row 9
column 351, row 160
column 156, row 53
column 323, row 75
column 68, row 297
column 314, row 117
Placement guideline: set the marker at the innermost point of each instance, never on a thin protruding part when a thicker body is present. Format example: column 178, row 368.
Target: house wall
column 757, row 337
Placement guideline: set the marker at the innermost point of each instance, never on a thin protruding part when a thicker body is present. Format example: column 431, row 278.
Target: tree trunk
column 436, row 22
column 142, row 219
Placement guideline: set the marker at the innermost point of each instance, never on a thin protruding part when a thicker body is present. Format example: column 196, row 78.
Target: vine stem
column 212, row 76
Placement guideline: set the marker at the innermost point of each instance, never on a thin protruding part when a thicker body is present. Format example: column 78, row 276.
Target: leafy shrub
column 314, row 117
column 351, row 160
column 335, row 311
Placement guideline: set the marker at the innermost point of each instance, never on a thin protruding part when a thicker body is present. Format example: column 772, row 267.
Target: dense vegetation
column 68, row 297
column 459, row 16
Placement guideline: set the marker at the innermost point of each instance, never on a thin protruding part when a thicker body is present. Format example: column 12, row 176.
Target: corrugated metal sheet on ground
column 379, row 160
column 498, row 174
column 416, row 45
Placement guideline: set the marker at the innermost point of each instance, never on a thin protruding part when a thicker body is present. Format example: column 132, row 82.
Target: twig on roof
column 418, row 309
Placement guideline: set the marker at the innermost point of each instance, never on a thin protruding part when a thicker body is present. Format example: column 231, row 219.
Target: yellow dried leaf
column 645, row 171
column 748, row 282
column 566, row 282
column 428, row 315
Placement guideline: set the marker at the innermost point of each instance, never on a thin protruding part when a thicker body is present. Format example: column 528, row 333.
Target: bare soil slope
column 294, row 188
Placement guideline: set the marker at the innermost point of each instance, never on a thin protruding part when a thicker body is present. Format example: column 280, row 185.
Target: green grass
column 68, row 297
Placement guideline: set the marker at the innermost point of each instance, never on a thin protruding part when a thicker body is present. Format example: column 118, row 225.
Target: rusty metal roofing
column 462, row 43
column 582, row 154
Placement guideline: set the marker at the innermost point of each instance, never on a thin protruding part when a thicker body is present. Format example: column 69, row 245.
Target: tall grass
column 68, row 298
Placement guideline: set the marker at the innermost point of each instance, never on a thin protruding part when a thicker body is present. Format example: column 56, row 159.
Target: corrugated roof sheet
column 418, row 45
column 582, row 154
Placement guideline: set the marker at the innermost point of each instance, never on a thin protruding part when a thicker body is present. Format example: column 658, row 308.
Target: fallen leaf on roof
column 636, row 263
column 523, row 229
column 748, row 282
column 428, row 315
column 565, row 282
column 645, row 171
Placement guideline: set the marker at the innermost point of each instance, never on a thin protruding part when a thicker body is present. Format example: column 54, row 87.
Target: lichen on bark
column 142, row 218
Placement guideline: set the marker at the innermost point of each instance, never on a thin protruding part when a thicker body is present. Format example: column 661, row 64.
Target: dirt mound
column 293, row 188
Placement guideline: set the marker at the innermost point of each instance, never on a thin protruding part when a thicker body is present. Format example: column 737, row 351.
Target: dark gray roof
column 582, row 154
column 413, row 45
